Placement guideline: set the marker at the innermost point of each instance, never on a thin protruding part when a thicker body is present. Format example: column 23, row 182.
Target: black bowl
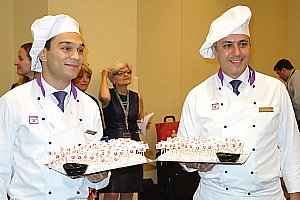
column 75, row 169
column 228, row 157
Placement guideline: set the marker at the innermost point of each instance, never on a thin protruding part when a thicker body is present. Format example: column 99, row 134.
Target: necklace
column 125, row 107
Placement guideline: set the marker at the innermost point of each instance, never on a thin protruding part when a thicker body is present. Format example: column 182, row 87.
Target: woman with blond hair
column 83, row 79
column 23, row 64
column 122, row 109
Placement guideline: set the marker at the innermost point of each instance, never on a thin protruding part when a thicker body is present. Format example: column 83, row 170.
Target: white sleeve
column 289, row 144
column 7, row 135
column 189, row 125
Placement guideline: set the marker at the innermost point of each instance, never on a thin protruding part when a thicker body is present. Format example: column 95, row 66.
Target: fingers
column 191, row 165
column 205, row 167
column 97, row 177
column 202, row 167
column 105, row 72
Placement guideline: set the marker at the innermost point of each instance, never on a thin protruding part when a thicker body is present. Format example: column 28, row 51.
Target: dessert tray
column 78, row 161
column 242, row 159
column 95, row 169
column 226, row 151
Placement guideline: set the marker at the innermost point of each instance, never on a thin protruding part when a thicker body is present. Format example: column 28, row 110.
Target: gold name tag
column 266, row 109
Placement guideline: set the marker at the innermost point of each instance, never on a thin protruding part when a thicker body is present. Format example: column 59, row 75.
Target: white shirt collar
column 244, row 77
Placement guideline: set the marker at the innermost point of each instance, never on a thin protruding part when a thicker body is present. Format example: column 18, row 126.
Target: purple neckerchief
column 251, row 77
column 39, row 82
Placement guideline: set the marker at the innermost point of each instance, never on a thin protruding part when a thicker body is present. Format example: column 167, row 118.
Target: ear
column 112, row 80
column 214, row 50
column 283, row 70
column 42, row 55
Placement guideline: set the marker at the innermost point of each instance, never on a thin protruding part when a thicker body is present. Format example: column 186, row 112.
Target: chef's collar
column 48, row 89
column 246, row 76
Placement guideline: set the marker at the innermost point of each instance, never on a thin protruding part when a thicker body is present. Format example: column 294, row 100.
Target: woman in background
column 23, row 64
column 83, row 80
column 122, row 109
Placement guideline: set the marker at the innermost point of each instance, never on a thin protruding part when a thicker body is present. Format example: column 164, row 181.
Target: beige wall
column 293, row 32
column 7, row 43
column 161, row 38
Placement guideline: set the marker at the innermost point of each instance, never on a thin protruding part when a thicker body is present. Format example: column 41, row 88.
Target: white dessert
column 100, row 156
column 197, row 150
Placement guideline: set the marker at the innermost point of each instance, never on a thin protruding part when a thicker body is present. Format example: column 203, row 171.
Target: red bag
column 166, row 129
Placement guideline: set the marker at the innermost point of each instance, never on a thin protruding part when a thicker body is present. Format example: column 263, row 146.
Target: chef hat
column 45, row 28
column 233, row 21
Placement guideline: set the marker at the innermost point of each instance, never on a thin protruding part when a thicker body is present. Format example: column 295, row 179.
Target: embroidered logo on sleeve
column 215, row 106
column 33, row 120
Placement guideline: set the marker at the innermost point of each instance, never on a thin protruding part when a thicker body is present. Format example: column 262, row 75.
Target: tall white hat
column 45, row 28
column 233, row 21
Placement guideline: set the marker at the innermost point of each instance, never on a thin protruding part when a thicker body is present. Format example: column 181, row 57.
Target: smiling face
column 23, row 63
column 62, row 62
column 233, row 54
column 82, row 80
column 122, row 79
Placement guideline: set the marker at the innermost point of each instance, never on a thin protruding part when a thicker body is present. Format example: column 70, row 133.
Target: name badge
column 266, row 109
column 33, row 120
column 215, row 106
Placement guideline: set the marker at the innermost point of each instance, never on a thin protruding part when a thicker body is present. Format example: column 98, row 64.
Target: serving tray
column 91, row 170
column 243, row 158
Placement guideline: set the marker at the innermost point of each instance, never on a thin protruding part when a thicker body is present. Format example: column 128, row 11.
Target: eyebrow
column 71, row 43
column 235, row 42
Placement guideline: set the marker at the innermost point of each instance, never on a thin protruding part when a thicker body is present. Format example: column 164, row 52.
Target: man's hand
column 295, row 196
column 97, row 177
column 202, row 167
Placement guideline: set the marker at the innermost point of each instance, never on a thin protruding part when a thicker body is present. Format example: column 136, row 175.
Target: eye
column 227, row 45
column 66, row 48
column 79, row 77
column 243, row 44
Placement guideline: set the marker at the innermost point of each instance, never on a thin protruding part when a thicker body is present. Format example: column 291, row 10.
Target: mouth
column 236, row 61
column 72, row 65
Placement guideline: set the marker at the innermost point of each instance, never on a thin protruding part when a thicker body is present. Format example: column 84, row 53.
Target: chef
column 238, row 102
column 46, row 114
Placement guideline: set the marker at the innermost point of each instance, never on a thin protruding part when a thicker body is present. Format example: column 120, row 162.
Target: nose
column 76, row 55
column 85, row 79
column 236, row 50
column 16, row 62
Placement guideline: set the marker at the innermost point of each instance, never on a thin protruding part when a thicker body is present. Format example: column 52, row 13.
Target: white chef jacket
column 212, row 110
column 31, row 124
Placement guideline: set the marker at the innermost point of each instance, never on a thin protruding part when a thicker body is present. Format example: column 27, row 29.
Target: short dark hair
column 48, row 43
column 283, row 63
